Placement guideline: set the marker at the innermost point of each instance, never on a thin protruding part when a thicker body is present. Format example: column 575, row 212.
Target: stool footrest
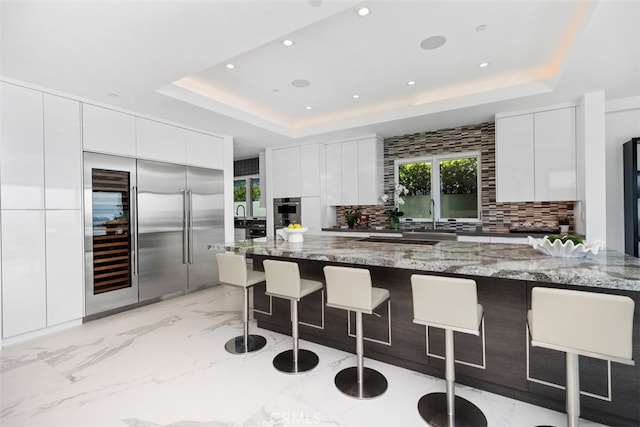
column 433, row 409
column 236, row 345
column 373, row 383
column 307, row 360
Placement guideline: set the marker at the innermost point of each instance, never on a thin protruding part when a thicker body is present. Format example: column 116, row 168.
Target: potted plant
column 395, row 213
column 564, row 225
column 351, row 215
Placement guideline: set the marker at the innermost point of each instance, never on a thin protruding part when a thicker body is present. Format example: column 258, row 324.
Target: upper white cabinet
column 62, row 153
column 108, row 131
column 205, row 150
column 555, row 154
column 21, row 148
column 536, row 156
column 514, row 159
column 159, row 141
column 310, row 170
column 354, row 171
column 286, row 172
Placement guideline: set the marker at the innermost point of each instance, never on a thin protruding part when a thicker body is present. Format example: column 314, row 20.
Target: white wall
column 622, row 123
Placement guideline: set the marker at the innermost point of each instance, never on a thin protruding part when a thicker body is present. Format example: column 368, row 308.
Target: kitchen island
column 500, row 360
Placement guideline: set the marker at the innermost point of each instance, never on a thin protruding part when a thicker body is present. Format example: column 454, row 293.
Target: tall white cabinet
column 40, row 178
column 536, row 156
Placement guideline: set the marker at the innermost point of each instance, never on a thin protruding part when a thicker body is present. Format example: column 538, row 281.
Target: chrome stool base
column 307, row 360
column 433, row 409
column 373, row 383
column 236, row 345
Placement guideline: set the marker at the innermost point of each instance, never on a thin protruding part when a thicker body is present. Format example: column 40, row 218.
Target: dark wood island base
column 500, row 360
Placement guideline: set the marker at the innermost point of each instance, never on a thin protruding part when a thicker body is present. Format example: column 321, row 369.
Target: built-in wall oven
column 286, row 211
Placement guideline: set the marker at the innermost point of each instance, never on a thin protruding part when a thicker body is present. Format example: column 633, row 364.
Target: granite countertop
column 609, row 269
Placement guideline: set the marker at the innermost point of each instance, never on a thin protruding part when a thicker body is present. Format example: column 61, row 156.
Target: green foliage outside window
column 416, row 177
column 459, row 176
column 239, row 193
column 255, row 191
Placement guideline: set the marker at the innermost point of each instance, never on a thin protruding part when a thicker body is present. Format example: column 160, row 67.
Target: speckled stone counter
column 609, row 269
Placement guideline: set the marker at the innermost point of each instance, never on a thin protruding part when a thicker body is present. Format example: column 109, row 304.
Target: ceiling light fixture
column 483, row 65
column 433, row 42
column 287, row 43
column 230, row 66
column 356, row 96
column 308, row 107
column 411, row 82
column 363, row 11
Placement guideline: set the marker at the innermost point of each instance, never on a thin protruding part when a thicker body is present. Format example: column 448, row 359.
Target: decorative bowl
column 292, row 235
column 567, row 249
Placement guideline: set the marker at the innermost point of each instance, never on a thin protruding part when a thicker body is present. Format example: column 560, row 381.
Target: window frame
column 435, row 182
column 248, row 203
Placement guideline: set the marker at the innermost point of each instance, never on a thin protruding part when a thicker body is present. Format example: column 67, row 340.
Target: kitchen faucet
column 432, row 211
column 244, row 212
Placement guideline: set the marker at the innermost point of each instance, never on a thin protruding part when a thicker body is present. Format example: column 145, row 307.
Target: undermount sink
column 429, row 234
column 400, row 240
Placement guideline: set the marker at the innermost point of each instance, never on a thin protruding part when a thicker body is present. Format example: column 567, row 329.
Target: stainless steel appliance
column 165, row 219
column 286, row 211
column 255, row 227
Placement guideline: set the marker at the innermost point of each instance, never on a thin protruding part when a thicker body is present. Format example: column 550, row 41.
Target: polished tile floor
column 165, row 365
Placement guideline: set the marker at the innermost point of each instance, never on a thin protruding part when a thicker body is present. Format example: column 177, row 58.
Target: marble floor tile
column 165, row 365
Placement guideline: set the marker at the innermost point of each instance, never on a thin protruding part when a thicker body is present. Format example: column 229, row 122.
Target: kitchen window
column 451, row 181
column 247, row 203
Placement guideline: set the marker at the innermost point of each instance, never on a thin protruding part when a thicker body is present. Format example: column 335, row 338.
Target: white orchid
column 384, row 198
column 400, row 200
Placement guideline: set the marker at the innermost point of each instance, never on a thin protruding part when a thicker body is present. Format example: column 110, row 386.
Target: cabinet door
column 159, row 141
column 205, row 150
column 294, row 172
column 350, row 182
column 370, row 175
column 108, row 131
column 310, row 170
column 23, row 272
column 21, row 145
column 279, row 172
column 555, row 155
column 65, row 288
column 62, row 153
column 333, row 153
column 514, row 159
column 312, row 214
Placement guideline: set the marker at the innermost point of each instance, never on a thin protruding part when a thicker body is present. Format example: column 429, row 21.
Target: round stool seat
column 433, row 409
column 373, row 383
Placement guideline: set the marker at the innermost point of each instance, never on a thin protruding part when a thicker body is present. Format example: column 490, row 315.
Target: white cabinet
column 108, row 131
column 62, row 153
column 159, row 141
column 205, row 150
column 555, row 154
column 514, row 159
column 286, row 172
column 310, row 170
column 312, row 214
column 23, row 272
column 350, row 173
column 536, row 156
column 333, row 171
column 354, row 172
column 64, row 284
column 21, row 148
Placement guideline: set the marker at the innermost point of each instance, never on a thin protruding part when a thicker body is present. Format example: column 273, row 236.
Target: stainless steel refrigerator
column 150, row 230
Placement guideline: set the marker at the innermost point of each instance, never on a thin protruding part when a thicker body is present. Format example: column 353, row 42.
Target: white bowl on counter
column 292, row 235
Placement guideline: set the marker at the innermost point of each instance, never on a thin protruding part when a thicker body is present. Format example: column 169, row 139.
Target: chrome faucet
column 244, row 212
column 432, row 211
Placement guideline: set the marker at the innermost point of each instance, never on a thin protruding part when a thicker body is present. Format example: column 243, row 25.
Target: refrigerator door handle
column 190, row 225
column 134, row 229
column 185, row 228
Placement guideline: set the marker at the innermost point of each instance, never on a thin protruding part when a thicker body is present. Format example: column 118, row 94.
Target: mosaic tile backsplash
column 496, row 217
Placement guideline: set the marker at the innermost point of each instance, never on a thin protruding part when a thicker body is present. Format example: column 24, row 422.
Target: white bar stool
column 233, row 271
column 350, row 289
column 581, row 323
column 283, row 281
column 450, row 304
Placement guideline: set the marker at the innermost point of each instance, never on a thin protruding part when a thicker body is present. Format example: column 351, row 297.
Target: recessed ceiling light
column 356, row 96
column 411, row 82
column 308, row 107
column 287, row 43
column 230, row 66
column 363, row 11
column 433, row 42
column 481, row 28
column 483, row 65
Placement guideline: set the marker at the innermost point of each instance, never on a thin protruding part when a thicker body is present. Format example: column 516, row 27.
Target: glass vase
column 394, row 222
